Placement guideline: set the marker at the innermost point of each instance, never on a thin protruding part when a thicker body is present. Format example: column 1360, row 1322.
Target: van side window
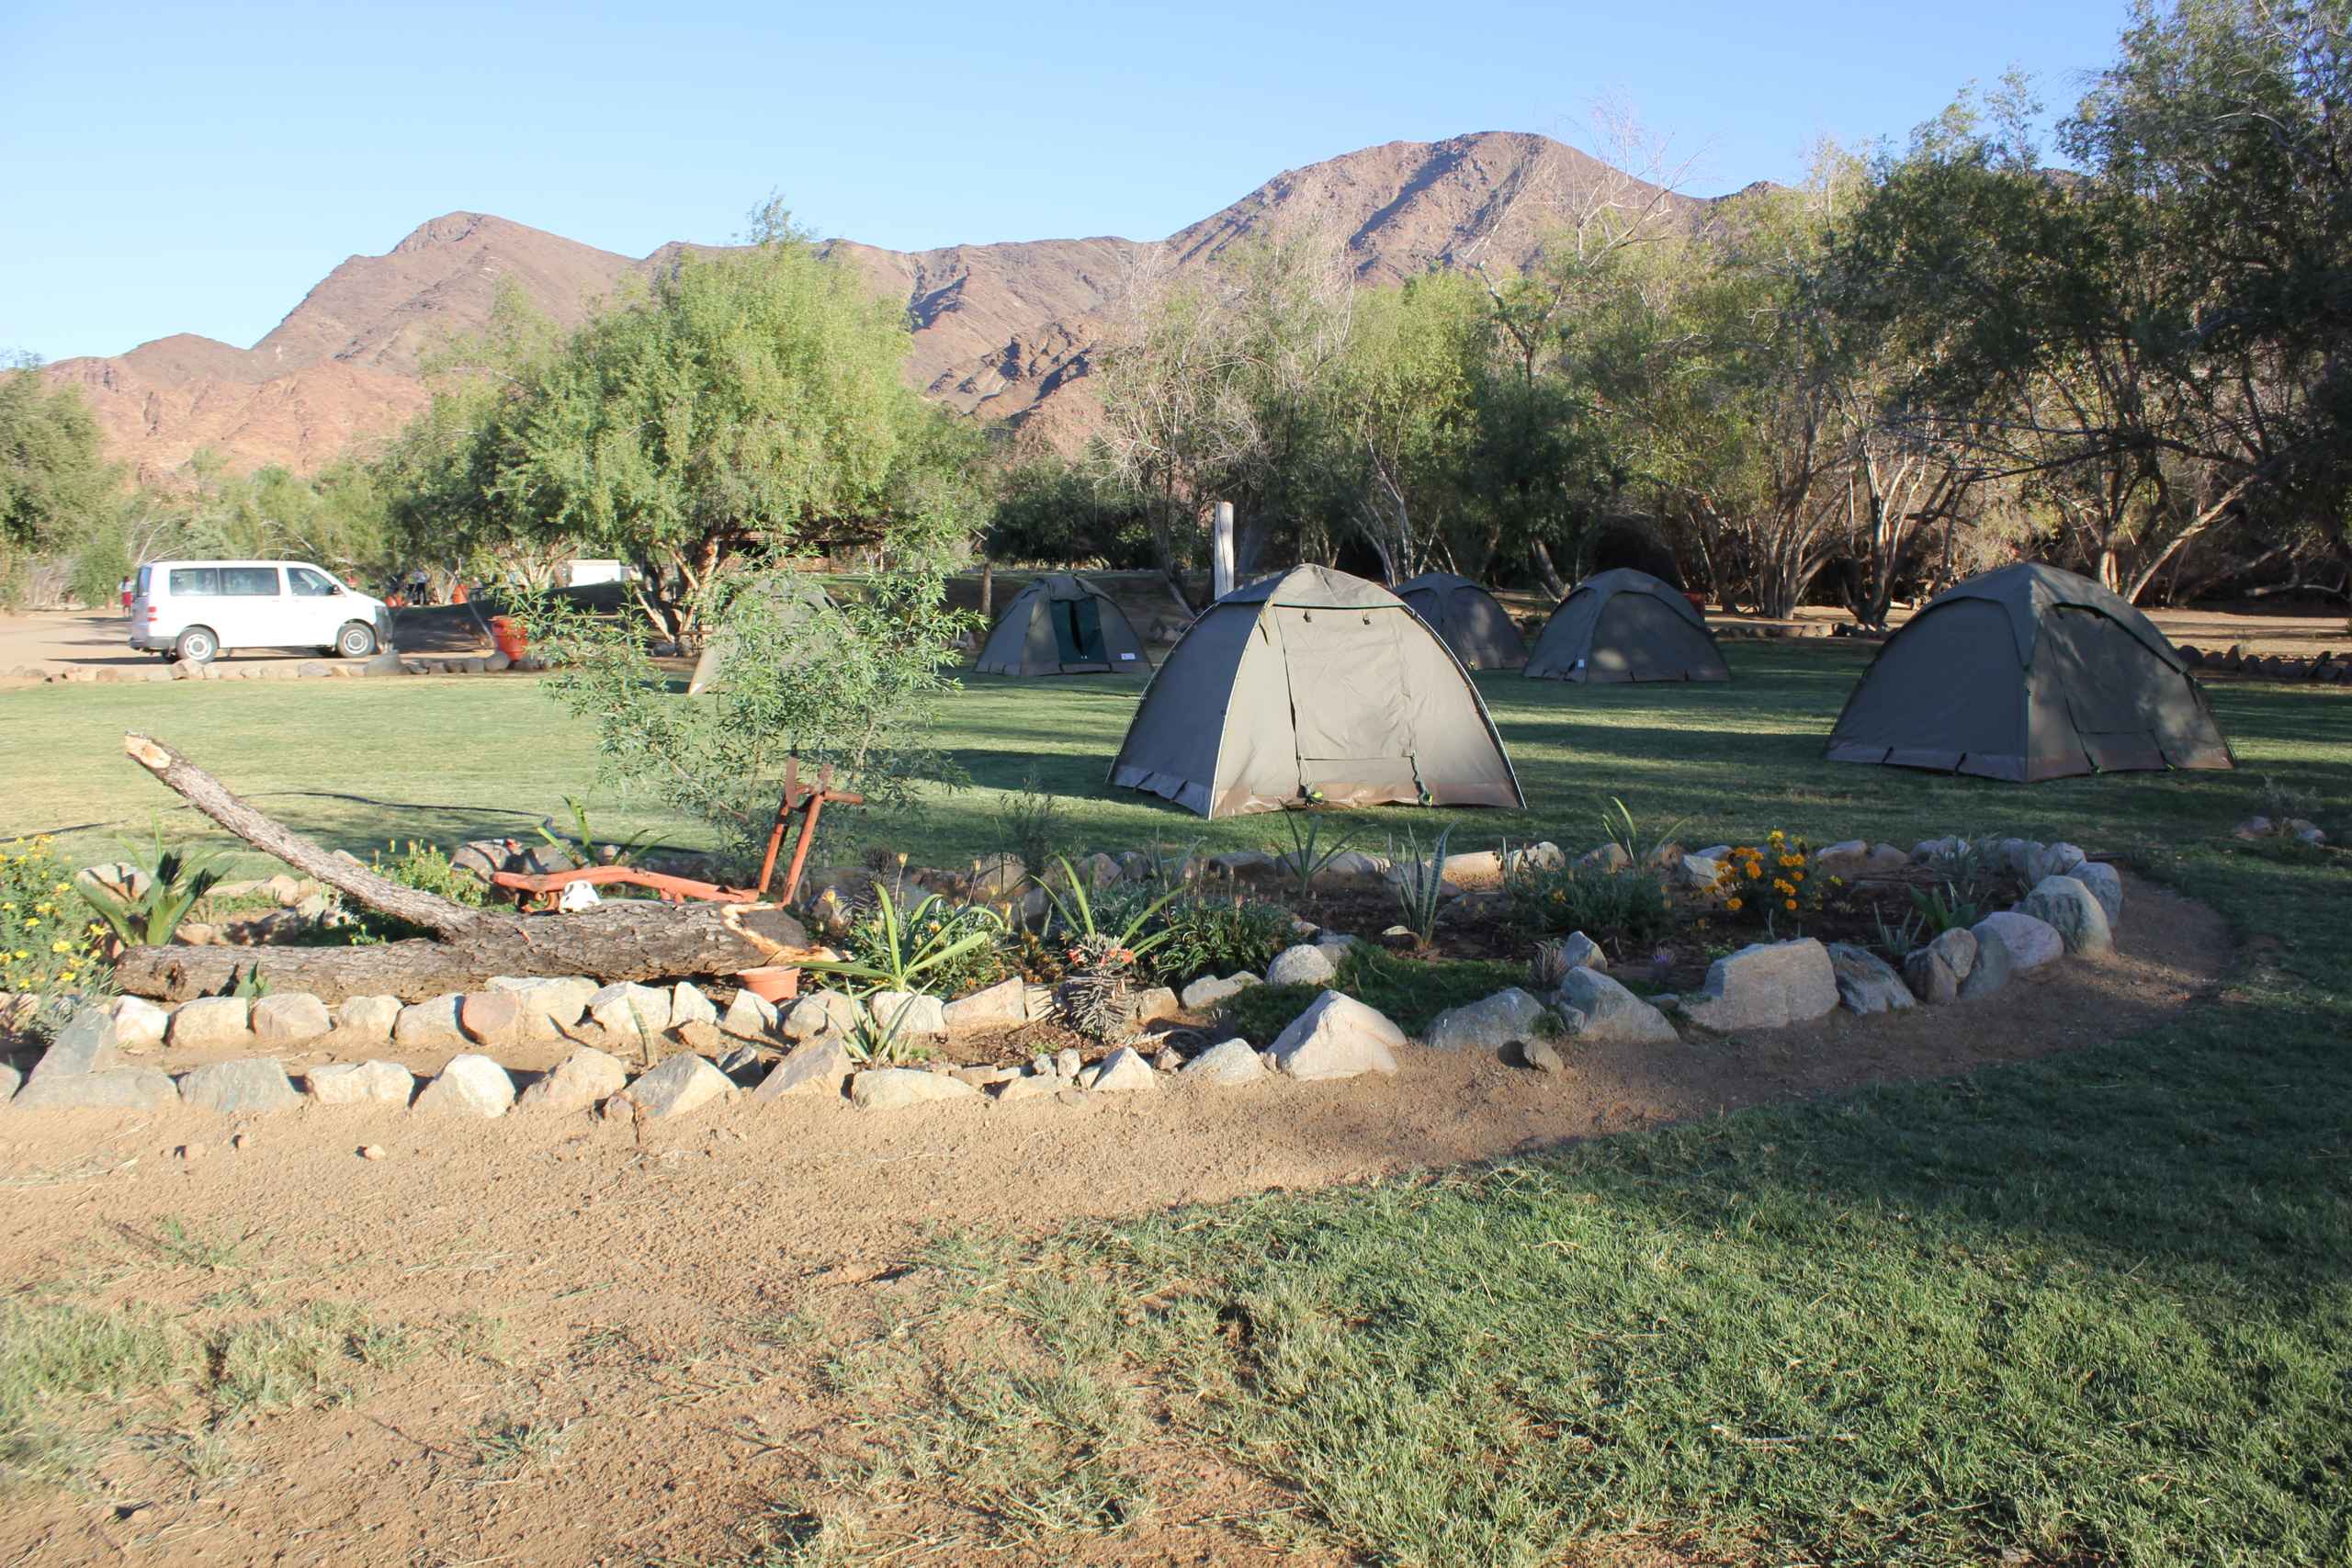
column 196, row 582
column 309, row 584
column 248, row 582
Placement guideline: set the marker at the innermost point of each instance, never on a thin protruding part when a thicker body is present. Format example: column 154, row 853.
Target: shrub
column 1627, row 905
column 1031, row 825
column 46, row 945
column 936, row 946
column 1218, row 937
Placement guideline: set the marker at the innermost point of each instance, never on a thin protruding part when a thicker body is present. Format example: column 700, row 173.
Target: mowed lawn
column 2095, row 1308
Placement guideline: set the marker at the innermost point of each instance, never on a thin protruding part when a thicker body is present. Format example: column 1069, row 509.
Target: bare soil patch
column 670, row 1308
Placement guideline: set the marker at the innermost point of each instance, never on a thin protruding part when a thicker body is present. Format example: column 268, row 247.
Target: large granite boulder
column 1765, row 984
column 1337, row 1037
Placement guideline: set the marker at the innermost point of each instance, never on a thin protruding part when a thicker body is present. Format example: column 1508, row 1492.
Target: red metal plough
column 806, row 801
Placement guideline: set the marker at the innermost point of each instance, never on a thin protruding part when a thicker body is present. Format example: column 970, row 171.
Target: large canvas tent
column 1473, row 623
column 1314, row 686
column 794, row 600
column 1626, row 625
column 1061, row 625
column 2024, row 673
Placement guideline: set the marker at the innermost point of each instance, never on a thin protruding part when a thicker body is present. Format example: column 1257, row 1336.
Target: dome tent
column 1313, row 686
column 2029, row 672
column 1626, row 625
column 1471, row 620
column 793, row 600
column 1061, row 625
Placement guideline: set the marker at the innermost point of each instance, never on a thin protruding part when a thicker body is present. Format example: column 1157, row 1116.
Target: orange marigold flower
column 1733, row 905
column 1792, row 904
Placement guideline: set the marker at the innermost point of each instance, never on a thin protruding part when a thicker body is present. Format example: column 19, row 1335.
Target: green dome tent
column 1313, row 686
column 1471, row 620
column 2025, row 673
column 1062, row 625
column 794, row 599
column 1626, row 625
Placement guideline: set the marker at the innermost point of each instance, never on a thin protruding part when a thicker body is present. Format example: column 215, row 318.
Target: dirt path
column 664, row 1304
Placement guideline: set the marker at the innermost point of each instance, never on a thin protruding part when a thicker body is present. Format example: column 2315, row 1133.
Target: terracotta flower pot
column 772, row 982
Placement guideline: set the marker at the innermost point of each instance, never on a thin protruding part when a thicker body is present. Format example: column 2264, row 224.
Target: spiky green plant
column 175, row 879
column 1419, row 881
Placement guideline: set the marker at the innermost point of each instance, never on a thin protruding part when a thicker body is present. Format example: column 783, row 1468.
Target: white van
column 197, row 610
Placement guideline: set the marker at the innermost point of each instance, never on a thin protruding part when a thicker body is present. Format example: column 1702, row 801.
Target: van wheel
column 197, row 646
column 355, row 641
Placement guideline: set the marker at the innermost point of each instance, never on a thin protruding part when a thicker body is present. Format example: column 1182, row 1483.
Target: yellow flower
column 61, row 947
column 32, row 925
column 61, row 888
column 1797, row 875
column 1733, row 905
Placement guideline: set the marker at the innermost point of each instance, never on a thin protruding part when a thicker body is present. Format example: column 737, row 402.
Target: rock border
column 2071, row 907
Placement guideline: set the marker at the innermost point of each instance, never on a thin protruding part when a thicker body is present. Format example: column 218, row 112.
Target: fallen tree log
column 620, row 940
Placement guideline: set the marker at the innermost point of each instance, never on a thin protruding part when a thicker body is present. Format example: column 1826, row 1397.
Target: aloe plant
column 1309, row 850
column 908, row 949
column 176, row 879
column 1419, row 882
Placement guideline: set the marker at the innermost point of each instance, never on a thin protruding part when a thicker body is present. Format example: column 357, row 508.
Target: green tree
column 56, row 485
column 744, row 401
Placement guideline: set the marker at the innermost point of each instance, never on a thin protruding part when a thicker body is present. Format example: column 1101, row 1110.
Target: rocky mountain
column 1001, row 330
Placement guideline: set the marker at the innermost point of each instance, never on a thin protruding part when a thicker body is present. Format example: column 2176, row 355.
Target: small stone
column 1337, row 1037
column 1207, row 991
column 255, row 1086
column 2254, row 828
column 430, row 1025
column 209, row 1022
column 1067, row 1061
column 117, row 1089
column 817, row 1067
column 1041, row 1066
column 360, row 1083
column 890, row 1089
column 1934, row 971
column 551, row 1005
column 1487, row 1025
column 368, row 1017
column 490, row 1018
column 1000, row 1006
column 2051, row 860
column 86, row 1044
column 909, row 1014
column 2106, row 884
column 1766, row 986
column 1867, row 983
column 1606, row 857
column 2030, row 943
column 469, row 1085
column 750, row 1017
column 745, row 1065
column 624, row 1010
column 1304, row 964
column 1540, row 1055
column 1152, row 1002
column 1399, row 938
column 688, row 1005
column 371, row 1151
column 1168, row 1060
column 242, row 1142
column 139, row 1025
column 290, row 1019
column 679, row 1084
column 583, row 1078
column 191, row 1151
column 1123, row 1071
column 820, row 1014
column 1011, row 1091
column 1993, row 967
column 1597, row 1009
column 1555, row 959
column 2071, row 906
column 1228, row 1062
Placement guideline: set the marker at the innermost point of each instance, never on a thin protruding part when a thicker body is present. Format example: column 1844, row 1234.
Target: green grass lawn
column 2095, row 1308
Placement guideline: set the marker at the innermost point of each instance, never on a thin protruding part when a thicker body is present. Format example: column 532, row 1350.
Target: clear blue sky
column 170, row 168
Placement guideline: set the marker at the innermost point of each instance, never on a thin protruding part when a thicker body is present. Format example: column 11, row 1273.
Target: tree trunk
column 988, row 591
column 1545, row 570
column 622, row 939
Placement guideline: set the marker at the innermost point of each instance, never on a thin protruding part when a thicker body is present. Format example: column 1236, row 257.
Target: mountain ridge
column 1002, row 331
